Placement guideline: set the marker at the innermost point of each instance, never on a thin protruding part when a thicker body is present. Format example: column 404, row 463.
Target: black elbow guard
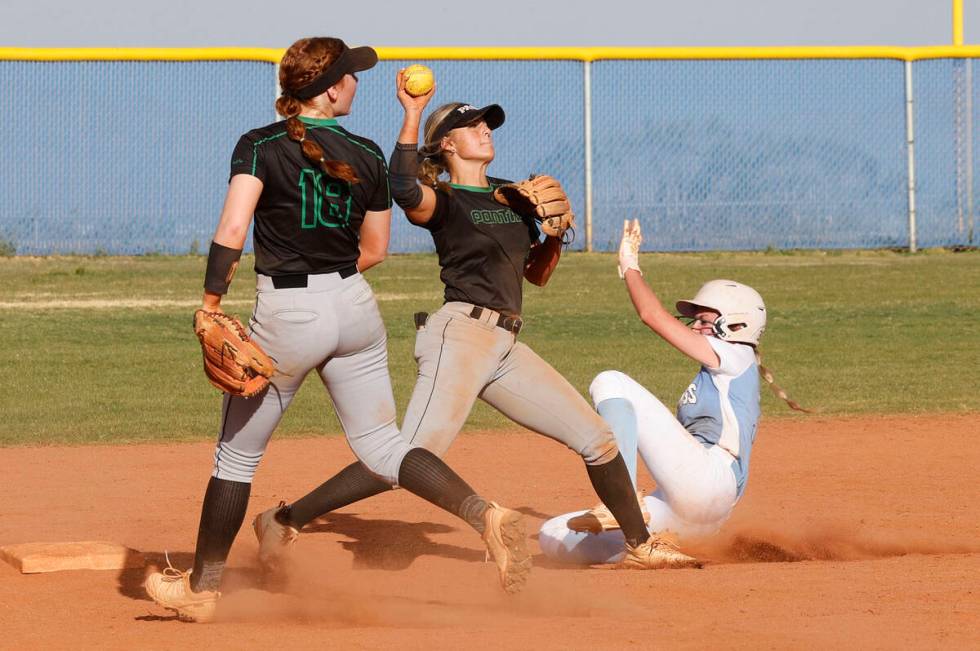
column 404, row 170
column 222, row 264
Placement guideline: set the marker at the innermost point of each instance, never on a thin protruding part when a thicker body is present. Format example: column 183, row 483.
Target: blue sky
column 191, row 23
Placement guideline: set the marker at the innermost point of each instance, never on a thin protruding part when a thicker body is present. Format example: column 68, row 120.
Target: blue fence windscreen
column 750, row 154
column 121, row 157
column 542, row 134
column 128, row 157
column 946, row 160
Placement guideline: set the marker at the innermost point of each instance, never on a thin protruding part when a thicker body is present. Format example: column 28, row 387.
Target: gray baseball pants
column 461, row 358
column 332, row 326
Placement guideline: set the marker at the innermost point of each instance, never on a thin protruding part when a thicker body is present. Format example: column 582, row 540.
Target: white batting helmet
column 736, row 304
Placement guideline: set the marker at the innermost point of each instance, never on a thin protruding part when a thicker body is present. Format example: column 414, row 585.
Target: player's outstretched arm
column 229, row 237
column 649, row 308
column 542, row 261
column 417, row 200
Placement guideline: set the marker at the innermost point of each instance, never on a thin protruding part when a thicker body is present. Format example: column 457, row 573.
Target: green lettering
column 336, row 193
column 494, row 217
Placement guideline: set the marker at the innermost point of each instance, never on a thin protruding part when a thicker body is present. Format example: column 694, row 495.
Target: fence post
column 957, row 22
column 969, row 150
column 587, row 86
column 910, row 146
column 275, row 72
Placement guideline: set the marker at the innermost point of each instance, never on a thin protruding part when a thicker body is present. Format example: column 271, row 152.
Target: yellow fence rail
column 273, row 55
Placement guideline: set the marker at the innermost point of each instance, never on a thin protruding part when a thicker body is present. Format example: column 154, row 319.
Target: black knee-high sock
column 225, row 503
column 352, row 484
column 426, row 475
column 612, row 484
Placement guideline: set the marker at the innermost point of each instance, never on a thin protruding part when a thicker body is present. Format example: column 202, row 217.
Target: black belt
column 508, row 323
column 292, row 281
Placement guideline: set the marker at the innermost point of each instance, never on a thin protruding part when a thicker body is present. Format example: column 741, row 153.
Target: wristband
column 222, row 264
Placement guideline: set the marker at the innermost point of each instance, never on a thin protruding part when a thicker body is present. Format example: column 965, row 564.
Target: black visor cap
column 361, row 58
column 351, row 60
column 466, row 115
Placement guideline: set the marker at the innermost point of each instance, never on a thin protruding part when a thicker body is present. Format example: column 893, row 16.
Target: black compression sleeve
column 404, row 171
column 427, row 476
column 222, row 514
column 350, row 485
column 222, row 263
column 612, row 484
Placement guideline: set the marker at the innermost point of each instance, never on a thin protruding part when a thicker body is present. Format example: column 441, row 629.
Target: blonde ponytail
column 430, row 170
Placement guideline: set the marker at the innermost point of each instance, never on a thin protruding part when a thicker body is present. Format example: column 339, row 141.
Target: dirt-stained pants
column 461, row 358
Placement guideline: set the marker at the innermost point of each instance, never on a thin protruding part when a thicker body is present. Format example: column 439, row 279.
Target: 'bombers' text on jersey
column 482, row 246
column 307, row 222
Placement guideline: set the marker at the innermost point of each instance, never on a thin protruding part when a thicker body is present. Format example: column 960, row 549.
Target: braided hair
column 780, row 392
column 304, row 61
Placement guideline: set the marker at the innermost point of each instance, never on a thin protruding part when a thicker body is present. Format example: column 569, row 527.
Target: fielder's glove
column 629, row 247
column 542, row 198
column 232, row 361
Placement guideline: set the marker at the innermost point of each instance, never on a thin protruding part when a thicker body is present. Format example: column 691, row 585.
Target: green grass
column 850, row 333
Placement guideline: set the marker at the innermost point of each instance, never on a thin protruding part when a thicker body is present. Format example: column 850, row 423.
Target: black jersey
column 482, row 246
column 306, row 221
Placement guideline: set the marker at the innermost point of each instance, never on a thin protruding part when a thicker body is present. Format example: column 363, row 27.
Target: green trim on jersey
column 359, row 144
column 331, row 125
column 471, row 188
column 320, row 122
column 317, row 124
column 306, row 220
column 255, row 149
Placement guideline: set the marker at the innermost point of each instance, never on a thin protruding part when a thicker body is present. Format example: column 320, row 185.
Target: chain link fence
column 542, row 132
column 946, row 163
column 121, row 157
column 131, row 157
column 751, row 154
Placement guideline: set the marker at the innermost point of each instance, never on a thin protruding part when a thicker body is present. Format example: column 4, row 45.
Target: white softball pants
column 696, row 488
column 332, row 326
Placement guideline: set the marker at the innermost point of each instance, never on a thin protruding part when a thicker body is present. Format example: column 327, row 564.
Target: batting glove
column 629, row 247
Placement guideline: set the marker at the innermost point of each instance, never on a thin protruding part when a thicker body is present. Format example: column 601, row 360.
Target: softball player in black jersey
column 322, row 210
column 470, row 348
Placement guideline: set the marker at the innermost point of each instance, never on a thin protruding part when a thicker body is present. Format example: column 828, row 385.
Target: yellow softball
column 418, row 79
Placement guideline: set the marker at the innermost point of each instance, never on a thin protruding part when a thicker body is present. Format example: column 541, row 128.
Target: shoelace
column 662, row 543
column 171, row 573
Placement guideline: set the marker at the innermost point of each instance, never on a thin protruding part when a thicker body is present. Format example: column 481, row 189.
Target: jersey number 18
column 318, row 189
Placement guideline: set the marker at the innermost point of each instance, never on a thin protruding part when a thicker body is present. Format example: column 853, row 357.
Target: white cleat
column 657, row 553
column 275, row 539
column 171, row 589
column 506, row 542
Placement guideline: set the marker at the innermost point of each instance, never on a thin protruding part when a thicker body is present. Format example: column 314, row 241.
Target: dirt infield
column 855, row 532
